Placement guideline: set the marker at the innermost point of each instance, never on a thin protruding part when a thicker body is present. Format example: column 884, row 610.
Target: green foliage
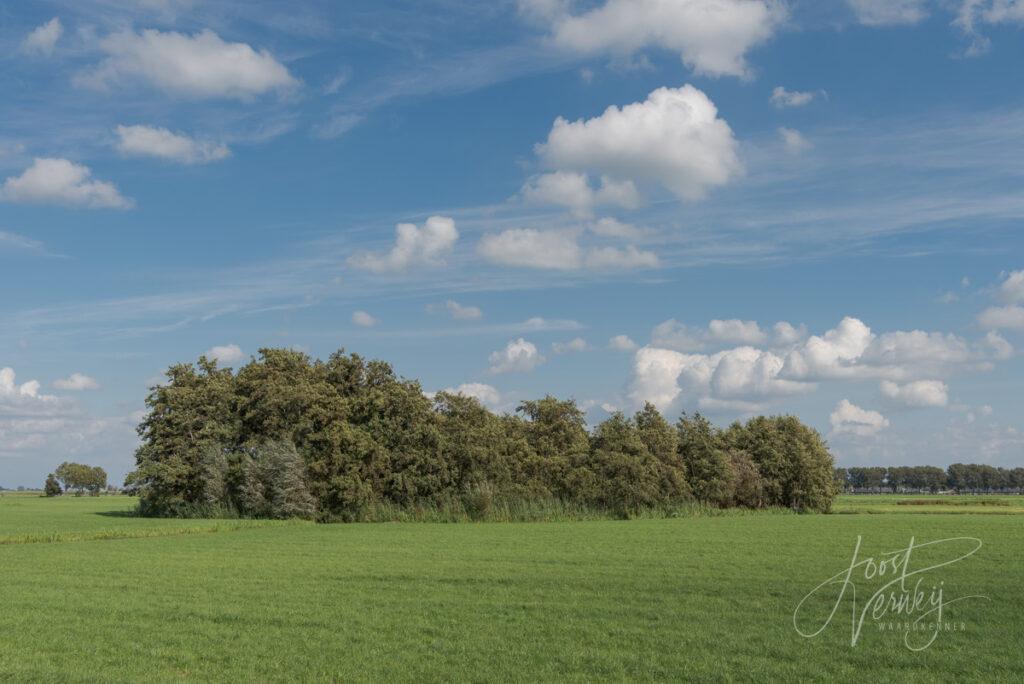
column 960, row 477
column 192, row 413
column 52, row 486
column 748, row 485
column 273, row 484
column 80, row 478
column 287, row 436
column 974, row 477
column 707, row 461
column 793, row 460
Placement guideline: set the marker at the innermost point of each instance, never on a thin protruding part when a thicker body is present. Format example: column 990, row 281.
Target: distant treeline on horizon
column 959, row 477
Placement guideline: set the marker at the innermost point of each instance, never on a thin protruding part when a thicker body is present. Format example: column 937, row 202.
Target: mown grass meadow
column 703, row 597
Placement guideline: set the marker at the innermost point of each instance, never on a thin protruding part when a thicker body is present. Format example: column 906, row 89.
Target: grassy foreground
column 708, row 598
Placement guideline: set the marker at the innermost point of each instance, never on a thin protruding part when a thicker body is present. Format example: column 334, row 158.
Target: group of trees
column 958, row 477
column 75, row 477
column 287, row 436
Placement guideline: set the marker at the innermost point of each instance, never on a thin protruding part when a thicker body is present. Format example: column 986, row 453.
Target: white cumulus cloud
column 672, row 334
column 786, row 334
column 518, row 356
column 198, row 66
column 674, row 138
column 622, row 343
column 711, row 36
column 413, row 246
column 852, row 350
column 852, row 419
column 747, row 378
column 224, row 354
column 1000, row 347
column 487, row 395
column 1002, row 317
column 532, row 248
column 150, row 141
column 10, row 391
column 917, row 393
column 790, row 98
column 364, row 320
column 59, row 181
column 76, row 382
column 573, row 191
column 1012, row 287
column 36, row 424
column 1010, row 316
column 742, row 376
column 559, row 250
column 655, row 372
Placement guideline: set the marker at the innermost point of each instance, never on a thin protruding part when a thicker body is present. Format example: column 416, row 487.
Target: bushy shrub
column 52, row 486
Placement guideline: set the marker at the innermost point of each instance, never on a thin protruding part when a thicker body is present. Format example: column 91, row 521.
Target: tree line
column 288, row 436
column 77, row 478
column 959, row 477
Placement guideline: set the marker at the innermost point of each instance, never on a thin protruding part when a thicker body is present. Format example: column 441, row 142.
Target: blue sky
column 733, row 206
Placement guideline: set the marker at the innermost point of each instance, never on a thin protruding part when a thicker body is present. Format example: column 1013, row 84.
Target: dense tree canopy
column 288, row 436
column 80, row 478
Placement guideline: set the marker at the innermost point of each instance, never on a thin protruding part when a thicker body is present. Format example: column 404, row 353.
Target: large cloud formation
column 746, row 378
column 711, row 36
column 33, row 422
column 674, row 138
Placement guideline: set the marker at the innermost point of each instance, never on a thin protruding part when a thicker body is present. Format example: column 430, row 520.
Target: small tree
column 52, row 487
column 96, row 480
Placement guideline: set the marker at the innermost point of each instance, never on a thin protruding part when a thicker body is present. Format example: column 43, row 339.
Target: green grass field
column 707, row 598
column 930, row 503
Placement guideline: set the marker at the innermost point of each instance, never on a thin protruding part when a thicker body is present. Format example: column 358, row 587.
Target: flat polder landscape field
column 93, row 593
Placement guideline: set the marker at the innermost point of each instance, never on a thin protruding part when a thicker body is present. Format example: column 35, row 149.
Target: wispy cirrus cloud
column 14, row 241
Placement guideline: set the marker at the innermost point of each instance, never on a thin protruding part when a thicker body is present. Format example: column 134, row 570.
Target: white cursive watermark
column 902, row 598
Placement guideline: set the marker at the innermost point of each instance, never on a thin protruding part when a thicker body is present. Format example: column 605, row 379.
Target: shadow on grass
column 131, row 513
